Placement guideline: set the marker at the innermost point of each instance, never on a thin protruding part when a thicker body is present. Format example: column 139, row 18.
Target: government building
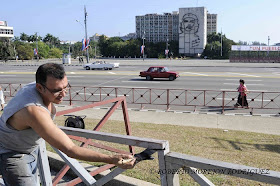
column 189, row 26
column 5, row 30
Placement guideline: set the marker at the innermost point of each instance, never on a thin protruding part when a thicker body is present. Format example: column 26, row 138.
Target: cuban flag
column 85, row 44
column 35, row 52
column 166, row 51
column 142, row 49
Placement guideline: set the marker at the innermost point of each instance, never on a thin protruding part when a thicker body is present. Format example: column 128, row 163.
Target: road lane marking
column 111, row 81
column 243, row 74
column 111, row 72
column 6, row 75
column 140, row 81
column 75, row 76
column 72, row 72
column 195, row 73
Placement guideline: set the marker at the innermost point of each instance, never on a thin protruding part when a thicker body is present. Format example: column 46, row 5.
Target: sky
column 239, row 20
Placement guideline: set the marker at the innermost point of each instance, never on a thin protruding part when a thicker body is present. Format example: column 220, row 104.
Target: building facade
column 192, row 30
column 5, row 30
column 189, row 26
column 211, row 23
column 157, row 27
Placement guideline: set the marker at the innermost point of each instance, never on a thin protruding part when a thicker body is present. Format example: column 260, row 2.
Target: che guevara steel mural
column 189, row 27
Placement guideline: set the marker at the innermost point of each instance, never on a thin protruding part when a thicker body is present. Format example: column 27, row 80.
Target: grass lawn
column 251, row 149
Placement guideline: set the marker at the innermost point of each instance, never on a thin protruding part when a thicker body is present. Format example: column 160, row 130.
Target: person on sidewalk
column 28, row 119
column 2, row 100
column 242, row 97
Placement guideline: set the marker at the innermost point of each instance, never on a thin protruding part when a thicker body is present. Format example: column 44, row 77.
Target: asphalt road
column 191, row 77
column 194, row 75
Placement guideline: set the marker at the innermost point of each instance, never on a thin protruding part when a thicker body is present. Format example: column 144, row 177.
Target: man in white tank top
column 28, row 117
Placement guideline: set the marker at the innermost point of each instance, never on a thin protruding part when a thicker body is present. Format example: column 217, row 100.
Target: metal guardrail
column 165, row 97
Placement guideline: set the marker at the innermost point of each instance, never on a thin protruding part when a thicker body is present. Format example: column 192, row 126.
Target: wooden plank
column 172, row 179
column 117, row 138
column 109, row 176
column 199, row 178
column 162, row 164
column 44, row 166
column 77, row 168
column 219, row 167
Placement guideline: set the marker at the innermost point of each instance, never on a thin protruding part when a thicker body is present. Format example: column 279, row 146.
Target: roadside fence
column 165, row 99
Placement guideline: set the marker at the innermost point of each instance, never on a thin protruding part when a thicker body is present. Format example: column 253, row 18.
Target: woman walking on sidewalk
column 242, row 97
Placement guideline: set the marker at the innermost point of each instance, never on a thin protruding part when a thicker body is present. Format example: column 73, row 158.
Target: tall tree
column 23, row 37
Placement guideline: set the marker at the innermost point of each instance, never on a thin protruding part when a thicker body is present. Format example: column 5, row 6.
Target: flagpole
column 86, row 33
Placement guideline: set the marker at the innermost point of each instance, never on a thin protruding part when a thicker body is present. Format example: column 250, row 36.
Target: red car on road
column 159, row 72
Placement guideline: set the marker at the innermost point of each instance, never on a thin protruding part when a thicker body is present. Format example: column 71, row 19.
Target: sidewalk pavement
column 267, row 124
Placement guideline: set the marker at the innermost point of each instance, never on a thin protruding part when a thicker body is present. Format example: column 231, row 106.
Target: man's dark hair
column 49, row 69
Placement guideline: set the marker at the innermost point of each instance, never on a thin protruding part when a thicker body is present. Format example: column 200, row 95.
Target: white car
column 101, row 65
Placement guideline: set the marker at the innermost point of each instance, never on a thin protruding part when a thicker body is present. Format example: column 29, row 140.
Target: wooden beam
column 219, row 167
column 118, row 138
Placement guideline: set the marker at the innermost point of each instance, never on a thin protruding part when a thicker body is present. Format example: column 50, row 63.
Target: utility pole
column 166, row 51
column 268, row 38
column 221, row 42
column 37, row 47
column 143, row 46
column 86, row 33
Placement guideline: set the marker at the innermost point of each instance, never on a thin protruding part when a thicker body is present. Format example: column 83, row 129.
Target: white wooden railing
column 170, row 163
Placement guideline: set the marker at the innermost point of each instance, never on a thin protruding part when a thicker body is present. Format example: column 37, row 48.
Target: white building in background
column 211, row 23
column 189, row 26
column 5, row 30
column 157, row 27
column 192, row 30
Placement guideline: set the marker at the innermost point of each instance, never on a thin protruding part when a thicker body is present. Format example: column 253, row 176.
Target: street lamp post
column 166, row 51
column 37, row 47
column 143, row 46
column 86, row 40
column 268, row 39
column 221, row 42
column 86, row 33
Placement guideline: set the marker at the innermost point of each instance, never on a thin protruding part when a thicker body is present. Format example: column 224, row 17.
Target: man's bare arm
column 40, row 121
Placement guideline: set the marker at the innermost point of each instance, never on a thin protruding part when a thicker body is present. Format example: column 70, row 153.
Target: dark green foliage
column 213, row 47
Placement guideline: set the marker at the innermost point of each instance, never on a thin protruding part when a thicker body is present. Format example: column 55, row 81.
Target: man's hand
column 123, row 161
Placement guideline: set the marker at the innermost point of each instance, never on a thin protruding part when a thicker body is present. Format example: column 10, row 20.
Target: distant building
column 129, row 36
column 5, row 30
column 95, row 37
column 277, row 44
column 193, row 30
column 158, row 27
column 189, row 26
column 211, row 23
column 68, row 42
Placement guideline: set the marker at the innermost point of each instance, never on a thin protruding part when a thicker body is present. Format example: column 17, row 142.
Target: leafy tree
column 213, row 47
column 23, row 37
column 6, row 50
column 24, row 51
column 43, row 49
column 51, row 40
column 55, row 53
